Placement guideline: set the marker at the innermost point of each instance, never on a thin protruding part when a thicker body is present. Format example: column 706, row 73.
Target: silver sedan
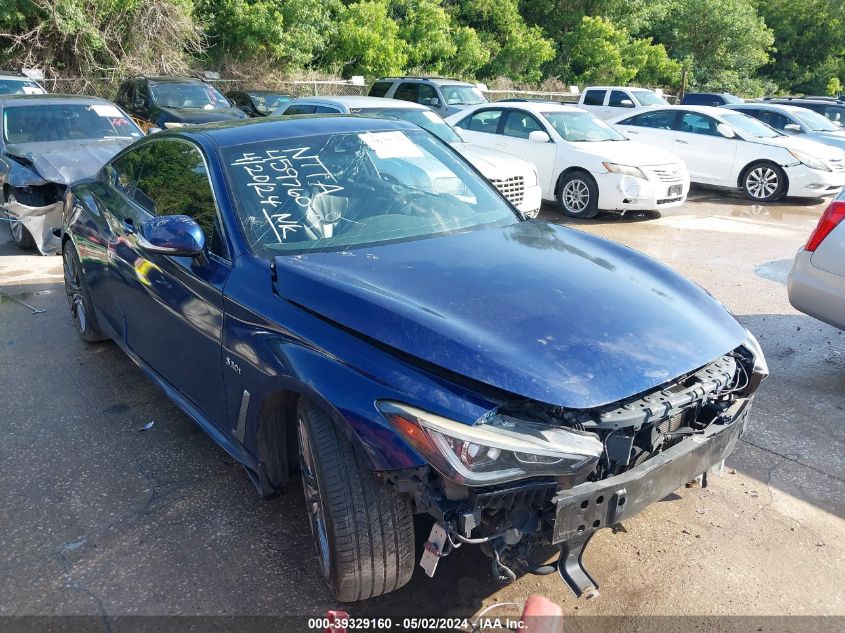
column 817, row 280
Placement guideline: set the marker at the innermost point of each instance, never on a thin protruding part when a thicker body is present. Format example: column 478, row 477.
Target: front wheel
column 78, row 297
column 578, row 195
column 764, row 182
column 363, row 529
column 20, row 235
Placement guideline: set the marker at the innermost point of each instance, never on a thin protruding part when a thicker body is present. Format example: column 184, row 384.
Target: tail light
column 832, row 216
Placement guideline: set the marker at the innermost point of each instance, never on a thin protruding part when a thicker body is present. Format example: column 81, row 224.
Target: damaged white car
column 48, row 143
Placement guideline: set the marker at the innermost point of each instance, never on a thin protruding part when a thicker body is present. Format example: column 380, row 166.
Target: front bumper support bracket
column 571, row 568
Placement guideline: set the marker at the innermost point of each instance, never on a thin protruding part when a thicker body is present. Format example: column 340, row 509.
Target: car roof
column 437, row 80
column 12, row 74
column 234, row 133
column 533, row 106
column 799, row 100
column 777, row 107
column 616, row 88
column 164, row 79
column 263, row 92
column 360, row 102
column 8, row 100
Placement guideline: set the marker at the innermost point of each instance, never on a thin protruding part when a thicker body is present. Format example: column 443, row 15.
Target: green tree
column 597, row 51
column 516, row 49
column 367, row 41
column 725, row 42
column 809, row 43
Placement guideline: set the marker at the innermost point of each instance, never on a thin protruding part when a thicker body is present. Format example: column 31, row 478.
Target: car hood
column 65, row 162
column 814, row 148
column 631, row 153
column 537, row 310
column 495, row 165
column 198, row 115
column 835, row 139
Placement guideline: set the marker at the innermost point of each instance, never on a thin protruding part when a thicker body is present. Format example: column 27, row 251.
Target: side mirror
column 627, row 103
column 435, row 102
column 792, row 128
column 175, row 235
column 538, row 136
column 140, row 104
column 726, row 130
column 153, row 130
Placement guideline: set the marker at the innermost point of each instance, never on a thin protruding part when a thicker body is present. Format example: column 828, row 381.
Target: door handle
column 677, row 140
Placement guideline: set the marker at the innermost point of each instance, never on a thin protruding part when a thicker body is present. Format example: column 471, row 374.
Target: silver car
column 817, row 280
column 795, row 120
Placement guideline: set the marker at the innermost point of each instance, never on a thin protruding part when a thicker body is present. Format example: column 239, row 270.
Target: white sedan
column 724, row 148
column 583, row 162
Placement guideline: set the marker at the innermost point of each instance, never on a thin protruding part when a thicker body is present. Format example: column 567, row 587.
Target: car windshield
column 582, row 127
column 66, row 122
column 341, row 191
column 19, row 87
column 750, row 126
column 188, row 95
column 732, row 99
column 267, row 103
column 648, row 98
column 424, row 118
column 815, row 121
column 462, row 95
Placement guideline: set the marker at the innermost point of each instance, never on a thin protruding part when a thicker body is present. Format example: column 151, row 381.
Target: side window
column 427, row 94
column 594, row 97
column 775, row 119
column 300, row 108
column 695, row 123
column 142, row 93
column 407, row 92
column 122, row 98
column 168, row 177
column 326, row 110
column 619, row 99
column 660, row 120
column 484, row 121
column 520, row 124
column 379, row 88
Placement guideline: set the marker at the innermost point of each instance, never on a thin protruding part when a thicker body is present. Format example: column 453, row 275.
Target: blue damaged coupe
column 346, row 300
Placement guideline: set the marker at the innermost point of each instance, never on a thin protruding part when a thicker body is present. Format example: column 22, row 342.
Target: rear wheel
column 764, row 182
column 578, row 195
column 78, row 297
column 363, row 529
column 20, row 235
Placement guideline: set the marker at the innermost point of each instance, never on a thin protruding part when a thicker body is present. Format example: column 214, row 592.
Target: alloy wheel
column 73, row 288
column 575, row 196
column 762, row 182
column 313, row 499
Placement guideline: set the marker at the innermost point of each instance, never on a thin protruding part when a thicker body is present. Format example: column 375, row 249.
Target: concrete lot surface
column 98, row 518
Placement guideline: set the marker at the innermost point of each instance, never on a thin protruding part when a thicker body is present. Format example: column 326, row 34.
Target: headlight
column 625, row 170
column 172, row 124
column 533, row 179
column 496, row 449
column 810, row 161
column 761, row 367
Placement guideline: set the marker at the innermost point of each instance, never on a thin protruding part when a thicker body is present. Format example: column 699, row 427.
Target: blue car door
column 172, row 307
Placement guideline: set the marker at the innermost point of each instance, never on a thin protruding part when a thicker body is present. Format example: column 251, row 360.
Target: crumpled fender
column 22, row 176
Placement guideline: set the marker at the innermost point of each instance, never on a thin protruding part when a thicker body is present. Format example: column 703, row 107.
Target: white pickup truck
column 607, row 102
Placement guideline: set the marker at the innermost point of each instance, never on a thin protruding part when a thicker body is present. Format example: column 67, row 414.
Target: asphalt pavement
column 101, row 518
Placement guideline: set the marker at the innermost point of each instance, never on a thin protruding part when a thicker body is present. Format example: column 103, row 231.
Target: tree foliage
column 744, row 46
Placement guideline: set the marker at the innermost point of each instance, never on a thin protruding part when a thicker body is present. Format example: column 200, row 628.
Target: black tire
column 20, row 235
column 578, row 195
column 366, row 548
column 764, row 182
column 78, row 297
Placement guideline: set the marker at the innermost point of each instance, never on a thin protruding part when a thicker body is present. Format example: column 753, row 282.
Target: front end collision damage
column 39, row 208
column 649, row 446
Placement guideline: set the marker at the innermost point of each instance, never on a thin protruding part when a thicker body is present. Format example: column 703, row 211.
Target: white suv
column 608, row 102
column 443, row 96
